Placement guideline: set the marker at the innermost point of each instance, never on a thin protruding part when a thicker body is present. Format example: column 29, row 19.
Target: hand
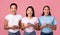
column 48, row 25
column 26, row 26
column 30, row 25
column 44, row 25
column 15, row 26
column 10, row 27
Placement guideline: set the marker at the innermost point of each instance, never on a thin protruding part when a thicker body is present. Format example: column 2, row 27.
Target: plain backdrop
column 23, row 4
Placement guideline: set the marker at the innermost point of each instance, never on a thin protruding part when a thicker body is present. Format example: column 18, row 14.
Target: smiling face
column 29, row 12
column 13, row 9
column 46, row 11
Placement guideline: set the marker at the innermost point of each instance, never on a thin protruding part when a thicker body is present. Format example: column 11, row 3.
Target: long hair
column 33, row 14
column 49, row 11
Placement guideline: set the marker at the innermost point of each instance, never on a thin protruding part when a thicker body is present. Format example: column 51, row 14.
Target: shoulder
column 40, row 17
column 34, row 17
column 52, row 17
column 8, row 15
column 19, row 15
column 24, row 18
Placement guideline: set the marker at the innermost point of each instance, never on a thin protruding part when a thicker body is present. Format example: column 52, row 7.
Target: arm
column 42, row 26
column 53, row 27
column 6, row 25
column 23, row 26
column 19, row 25
column 36, row 26
column 54, row 24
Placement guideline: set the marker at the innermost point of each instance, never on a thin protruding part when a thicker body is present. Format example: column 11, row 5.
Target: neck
column 29, row 17
column 13, row 13
column 46, row 14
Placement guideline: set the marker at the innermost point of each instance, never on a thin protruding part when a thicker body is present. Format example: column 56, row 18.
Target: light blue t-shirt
column 47, row 19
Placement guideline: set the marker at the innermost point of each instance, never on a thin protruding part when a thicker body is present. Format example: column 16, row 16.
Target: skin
column 53, row 27
column 13, row 12
column 29, row 12
column 13, row 9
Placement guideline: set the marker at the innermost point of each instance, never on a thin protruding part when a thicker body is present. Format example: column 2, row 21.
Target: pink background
column 22, row 5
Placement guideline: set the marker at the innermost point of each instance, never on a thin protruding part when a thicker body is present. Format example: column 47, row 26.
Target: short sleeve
column 20, row 17
column 6, row 17
column 22, row 21
column 54, row 21
column 36, row 20
column 39, row 22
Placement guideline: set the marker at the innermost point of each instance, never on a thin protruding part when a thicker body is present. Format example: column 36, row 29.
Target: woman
column 29, row 23
column 47, row 23
column 13, row 21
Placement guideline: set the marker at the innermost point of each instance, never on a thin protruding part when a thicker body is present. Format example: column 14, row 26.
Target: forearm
column 26, row 27
column 53, row 27
column 23, row 27
column 18, row 27
column 36, row 27
column 41, row 27
column 6, row 27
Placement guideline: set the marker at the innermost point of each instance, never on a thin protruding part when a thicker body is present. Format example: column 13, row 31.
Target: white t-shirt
column 25, row 20
column 13, row 20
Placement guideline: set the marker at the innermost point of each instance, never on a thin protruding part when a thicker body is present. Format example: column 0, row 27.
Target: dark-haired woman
column 47, row 22
column 13, row 21
column 29, row 23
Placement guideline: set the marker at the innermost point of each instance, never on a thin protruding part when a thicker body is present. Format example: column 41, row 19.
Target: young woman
column 29, row 23
column 47, row 23
column 13, row 21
